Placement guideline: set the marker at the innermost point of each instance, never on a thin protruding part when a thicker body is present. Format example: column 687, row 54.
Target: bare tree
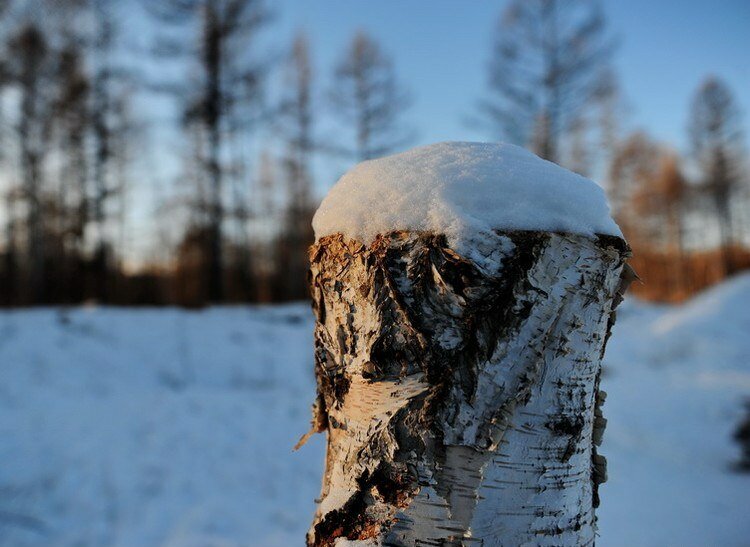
column 10, row 254
column 609, row 119
column 653, row 202
column 367, row 96
column 227, row 81
column 669, row 197
column 673, row 193
column 106, row 110
column 578, row 157
column 296, row 122
column 30, row 69
column 661, row 202
column 633, row 168
column 43, row 66
column 266, row 209
column 71, row 122
column 718, row 152
column 550, row 59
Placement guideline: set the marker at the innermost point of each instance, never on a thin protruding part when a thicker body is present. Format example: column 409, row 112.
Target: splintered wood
column 460, row 394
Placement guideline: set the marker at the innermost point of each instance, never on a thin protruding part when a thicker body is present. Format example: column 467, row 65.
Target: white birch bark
column 460, row 393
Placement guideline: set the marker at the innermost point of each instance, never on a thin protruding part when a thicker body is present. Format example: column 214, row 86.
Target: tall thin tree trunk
column 34, row 227
column 676, row 249
column 213, row 104
column 723, row 209
column 101, row 185
column 31, row 174
column 11, row 257
column 461, row 393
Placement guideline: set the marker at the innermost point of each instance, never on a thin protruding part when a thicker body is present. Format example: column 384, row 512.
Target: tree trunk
column 460, row 393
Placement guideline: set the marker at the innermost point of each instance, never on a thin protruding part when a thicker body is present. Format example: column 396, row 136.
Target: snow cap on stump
column 462, row 190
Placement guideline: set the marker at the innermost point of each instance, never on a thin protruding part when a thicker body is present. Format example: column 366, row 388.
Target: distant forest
column 78, row 104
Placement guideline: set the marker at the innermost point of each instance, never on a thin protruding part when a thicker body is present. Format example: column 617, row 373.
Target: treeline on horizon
column 77, row 109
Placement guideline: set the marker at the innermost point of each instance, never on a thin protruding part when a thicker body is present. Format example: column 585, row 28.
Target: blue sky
column 441, row 48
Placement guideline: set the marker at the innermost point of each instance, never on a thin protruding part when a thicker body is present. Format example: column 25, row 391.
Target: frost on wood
column 460, row 395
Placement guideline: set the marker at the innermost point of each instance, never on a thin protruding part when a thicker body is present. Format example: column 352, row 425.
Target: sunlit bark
column 460, row 393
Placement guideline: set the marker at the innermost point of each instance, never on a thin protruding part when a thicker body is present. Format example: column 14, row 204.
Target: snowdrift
column 165, row 427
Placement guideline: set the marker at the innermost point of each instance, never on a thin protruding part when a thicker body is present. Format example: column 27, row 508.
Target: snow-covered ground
column 174, row 428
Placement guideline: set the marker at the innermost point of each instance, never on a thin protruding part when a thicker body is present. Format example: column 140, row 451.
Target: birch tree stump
column 460, row 394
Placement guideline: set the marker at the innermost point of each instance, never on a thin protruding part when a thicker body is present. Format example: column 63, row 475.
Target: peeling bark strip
column 460, row 393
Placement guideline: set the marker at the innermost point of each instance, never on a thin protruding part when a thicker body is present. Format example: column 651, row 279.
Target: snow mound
column 711, row 328
column 677, row 378
column 463, row 190
column 715, row 311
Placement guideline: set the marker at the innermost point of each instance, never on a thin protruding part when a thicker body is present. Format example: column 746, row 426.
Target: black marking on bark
column 570, row 426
